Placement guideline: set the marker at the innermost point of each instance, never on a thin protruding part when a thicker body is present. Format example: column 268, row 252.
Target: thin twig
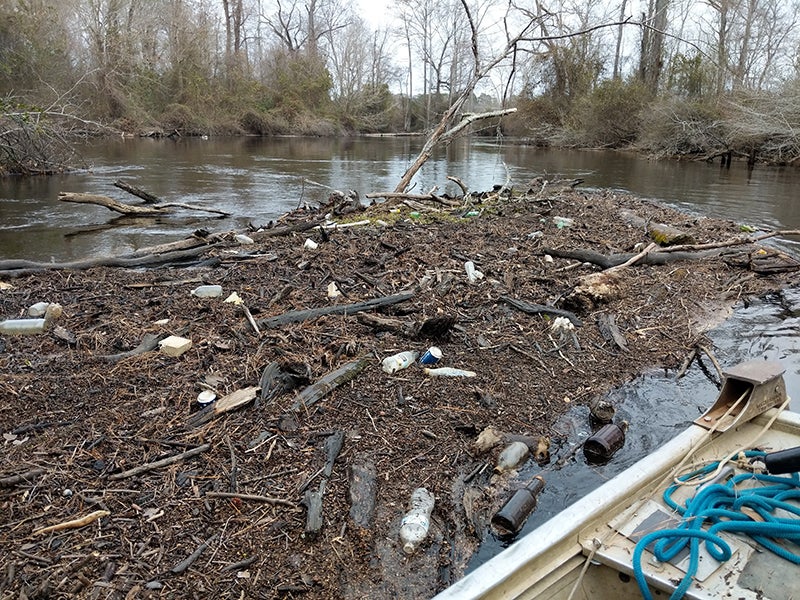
column 160, row 463
column 253, row 498
column 13, row 480
column 74, row 523
column 187, row 562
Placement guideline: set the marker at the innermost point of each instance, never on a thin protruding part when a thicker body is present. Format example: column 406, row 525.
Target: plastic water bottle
column 512, row 456
column 207, row 291
column 400, row 361
column 22, row 326
column 52, row 313
column 416, row 522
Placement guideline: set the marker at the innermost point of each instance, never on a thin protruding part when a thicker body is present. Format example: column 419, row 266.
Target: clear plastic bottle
column 512, row 456
column 416, row 522
column 22, row 326
column 399, row 361
column 52, row 313
column 207, row 291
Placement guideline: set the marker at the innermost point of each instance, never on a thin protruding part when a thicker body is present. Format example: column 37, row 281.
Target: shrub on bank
column 537, row 120
column 181, row 118
column 677, row 126
column 609, row 116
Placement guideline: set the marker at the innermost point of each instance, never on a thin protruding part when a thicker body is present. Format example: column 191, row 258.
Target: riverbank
column 219, row 503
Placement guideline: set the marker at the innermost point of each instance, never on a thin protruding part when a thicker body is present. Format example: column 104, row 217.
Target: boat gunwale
column 510, row 573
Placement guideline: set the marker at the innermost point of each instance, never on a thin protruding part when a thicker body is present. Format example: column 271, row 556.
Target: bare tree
column 480, row 70
column 361, row 68
column 652, row 54
column 301, row 25
column 620, row 31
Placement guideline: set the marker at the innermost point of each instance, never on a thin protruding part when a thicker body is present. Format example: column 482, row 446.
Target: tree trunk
column 618, row 50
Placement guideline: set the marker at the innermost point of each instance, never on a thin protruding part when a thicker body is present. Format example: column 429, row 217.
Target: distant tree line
column 670, row 77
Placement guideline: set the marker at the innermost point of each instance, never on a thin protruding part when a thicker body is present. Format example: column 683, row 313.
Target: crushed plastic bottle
column 512, row 456
column 416, row 522
column 449, row 372
column 38, row 310
column 473, row 275
column 207, row 291
column 400, row 361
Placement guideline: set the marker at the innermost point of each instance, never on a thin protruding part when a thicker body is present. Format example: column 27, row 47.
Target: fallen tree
column 761, row 259
column 21, row 267
column 132, row 210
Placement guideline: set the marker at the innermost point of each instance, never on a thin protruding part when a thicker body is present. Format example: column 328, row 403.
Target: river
column 258, row 179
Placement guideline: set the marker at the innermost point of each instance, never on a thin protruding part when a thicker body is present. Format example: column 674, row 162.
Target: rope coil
column 721, row 506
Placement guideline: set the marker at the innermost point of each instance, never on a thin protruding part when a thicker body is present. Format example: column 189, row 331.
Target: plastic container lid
column 206, row 397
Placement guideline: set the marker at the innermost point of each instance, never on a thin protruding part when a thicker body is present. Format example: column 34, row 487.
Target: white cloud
column 377, row 13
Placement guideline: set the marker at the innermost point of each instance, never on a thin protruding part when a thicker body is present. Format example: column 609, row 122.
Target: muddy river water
column 258, row 179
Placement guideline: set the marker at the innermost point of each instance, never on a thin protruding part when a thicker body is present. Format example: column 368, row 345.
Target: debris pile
column 158, row 439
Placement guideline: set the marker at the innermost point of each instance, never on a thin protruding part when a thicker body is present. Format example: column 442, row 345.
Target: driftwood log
column 139, row 193
column 661, row 233
column 21, row 267
column 130, row 209
column 363, row 490
column 608, row 261
column 535, row 309
column 149, row 343
column 296, row 316
column 759, row 259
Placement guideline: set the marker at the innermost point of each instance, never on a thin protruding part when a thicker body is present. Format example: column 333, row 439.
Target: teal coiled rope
column 720, row 506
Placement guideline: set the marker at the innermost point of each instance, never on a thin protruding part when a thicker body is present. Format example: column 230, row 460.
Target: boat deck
column 752, row 571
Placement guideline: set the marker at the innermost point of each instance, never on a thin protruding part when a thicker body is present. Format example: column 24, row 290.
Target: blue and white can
column 431, row 357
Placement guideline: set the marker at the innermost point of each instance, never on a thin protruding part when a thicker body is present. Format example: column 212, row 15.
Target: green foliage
column 609, row 115
column 298, row 83
column 689, row 76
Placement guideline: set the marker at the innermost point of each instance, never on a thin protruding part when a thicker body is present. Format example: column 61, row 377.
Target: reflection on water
column 259, row 179
column 766, row 329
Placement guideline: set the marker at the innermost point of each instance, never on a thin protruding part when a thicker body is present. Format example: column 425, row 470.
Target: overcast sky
column 374, row 12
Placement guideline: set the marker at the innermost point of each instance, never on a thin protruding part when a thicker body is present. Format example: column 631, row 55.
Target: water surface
column 259, row 179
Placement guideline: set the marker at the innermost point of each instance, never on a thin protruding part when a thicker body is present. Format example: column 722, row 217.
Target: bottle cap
column 206, row 397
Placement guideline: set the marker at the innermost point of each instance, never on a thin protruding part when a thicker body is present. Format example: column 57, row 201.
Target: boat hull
column 584, row 553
